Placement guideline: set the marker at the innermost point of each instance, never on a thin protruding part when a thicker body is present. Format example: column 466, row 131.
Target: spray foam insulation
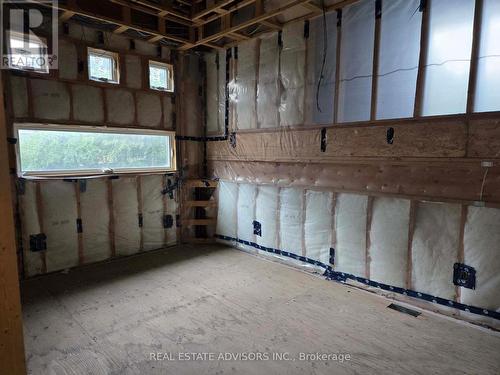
column 95, row 219
column 126, row 211
column 148, row 109
column 59, row 216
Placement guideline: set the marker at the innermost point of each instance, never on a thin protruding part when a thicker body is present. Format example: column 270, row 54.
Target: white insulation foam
column 318, row 225
column 227, row 214
column 482, row 251
column 152, row 212
column 30, row 226
column 59, row 221
column 291, row 220
column 434, row 248
column 389, row 241
column 95, row 220
column 246, row 212
column 350, row 229
column 266, row 213
column 126, row 211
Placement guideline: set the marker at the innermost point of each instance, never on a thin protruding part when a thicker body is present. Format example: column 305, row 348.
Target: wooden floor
column 109, row 318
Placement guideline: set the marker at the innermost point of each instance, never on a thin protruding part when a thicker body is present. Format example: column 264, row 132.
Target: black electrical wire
column 325, row 50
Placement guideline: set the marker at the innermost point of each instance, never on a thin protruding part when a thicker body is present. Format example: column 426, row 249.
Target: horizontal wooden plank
column 200, row 183
column 484, row 138
column 446, row 138
column 200, row 203
column 199, row 221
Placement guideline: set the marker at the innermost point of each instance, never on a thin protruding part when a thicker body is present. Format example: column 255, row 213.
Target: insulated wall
column 408, row 244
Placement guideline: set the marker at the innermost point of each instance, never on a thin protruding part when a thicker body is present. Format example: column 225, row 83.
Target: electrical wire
column 325, row 50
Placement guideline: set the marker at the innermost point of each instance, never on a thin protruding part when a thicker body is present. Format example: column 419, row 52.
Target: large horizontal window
column 52, row 150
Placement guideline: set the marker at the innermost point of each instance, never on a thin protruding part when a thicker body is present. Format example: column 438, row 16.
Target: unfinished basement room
column 296, row 187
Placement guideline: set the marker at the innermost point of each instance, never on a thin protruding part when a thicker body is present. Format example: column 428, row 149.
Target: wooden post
column 411, row 231
column 376, row 53
column 369, row 212
column 422, row 60
column 12, row 359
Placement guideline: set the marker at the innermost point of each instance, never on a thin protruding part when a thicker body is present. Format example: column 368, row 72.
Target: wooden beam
column 376, row 53
column 476, row 38
column 66, row 16
column 222, row 12
column 246, row 24
column 424, row 45
column 12, row 359
column 211, row 9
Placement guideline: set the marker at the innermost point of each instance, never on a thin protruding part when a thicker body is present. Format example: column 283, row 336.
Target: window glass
column 27, row 53
column 59, row 150
column 398, row 60
column 488, row 68
column 103, row 66
column 448, row 57
column 356, row 61
column 160, row 76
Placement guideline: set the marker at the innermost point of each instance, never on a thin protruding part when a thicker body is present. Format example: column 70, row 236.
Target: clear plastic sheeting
column 448, row 57
column 152, row 212
column 30, row 226
column 292, row 202
column 389, row 241
column 350, row 231
column 398, row 58
column 319, row 108
column 481, row 251
column 126, row 213
column 266, row 213
column 246, row 212
column 59, row 223
column 293, row 60
column 488, row 65
column 245, row 85
column 95, row 220
column 356, row 61
column 268, row 85
column 216, row 91
column 227, row 214
column 318, row 225
column 435, row 248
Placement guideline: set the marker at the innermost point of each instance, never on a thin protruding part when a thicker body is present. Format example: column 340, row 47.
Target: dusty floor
column 110, row 318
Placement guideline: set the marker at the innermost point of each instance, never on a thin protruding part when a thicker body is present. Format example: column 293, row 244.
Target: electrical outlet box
column 464, row 276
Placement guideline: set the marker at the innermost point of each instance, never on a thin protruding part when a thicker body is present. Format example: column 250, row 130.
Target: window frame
column 94, row 172
column 170, row 75
column 20, row 36
column 115, row 57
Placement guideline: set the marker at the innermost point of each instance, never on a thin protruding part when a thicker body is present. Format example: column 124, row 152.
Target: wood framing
column 12, row 359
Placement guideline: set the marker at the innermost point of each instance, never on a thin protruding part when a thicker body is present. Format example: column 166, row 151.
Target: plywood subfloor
column 108, row 318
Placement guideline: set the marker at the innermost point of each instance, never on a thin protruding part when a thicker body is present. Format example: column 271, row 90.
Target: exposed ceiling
column 187, row 24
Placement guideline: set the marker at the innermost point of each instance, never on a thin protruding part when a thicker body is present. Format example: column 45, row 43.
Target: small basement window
column 103, row 66
column 27, row 52
column 161, row 76
column 54, row 150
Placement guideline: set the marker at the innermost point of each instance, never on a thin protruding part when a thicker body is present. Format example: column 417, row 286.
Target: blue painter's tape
column 330, row 274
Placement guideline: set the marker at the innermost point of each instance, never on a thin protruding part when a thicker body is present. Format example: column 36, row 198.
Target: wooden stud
column 409, row 254
column 278, row 220
column 376, row 55
column 81, row 255
column 369, row 214
column 111, row 228
column 138, row 181
column 12, row 360
column 333, row 241
column 165, row 209
column 422, row 61
column 257, row 74
column 336, row 98
column 461, row 247
column 474, row 60
column 303, row 227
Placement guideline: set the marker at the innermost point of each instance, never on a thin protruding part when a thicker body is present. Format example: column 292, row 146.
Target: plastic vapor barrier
column 245, row 103
column 308, row 227
column 268, row 86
